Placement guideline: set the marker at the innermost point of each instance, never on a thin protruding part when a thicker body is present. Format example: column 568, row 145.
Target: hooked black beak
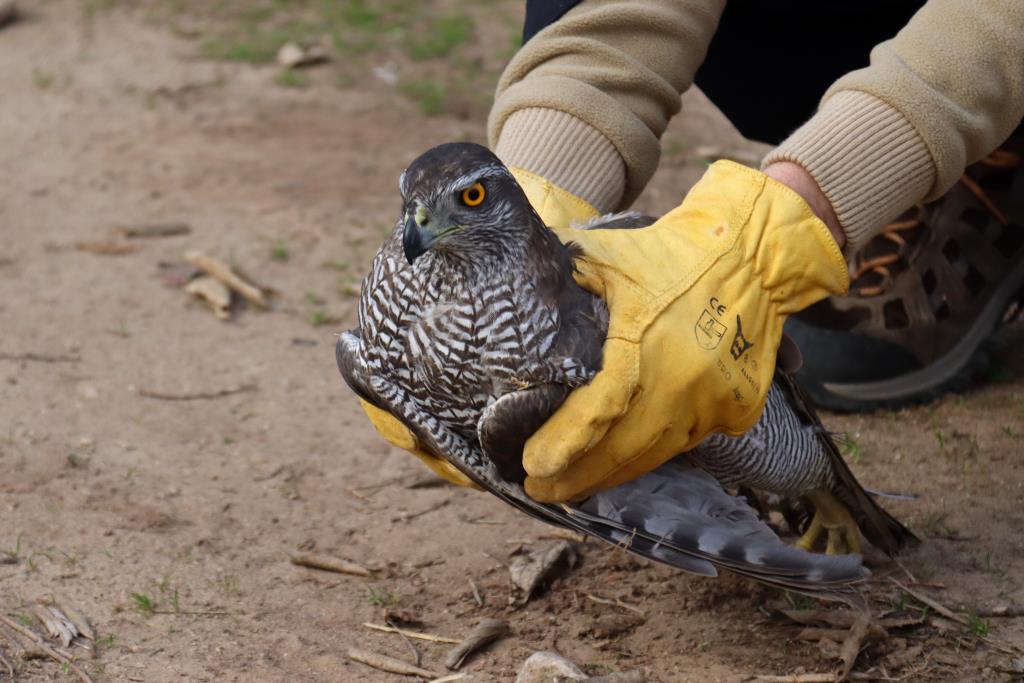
column 415, row 241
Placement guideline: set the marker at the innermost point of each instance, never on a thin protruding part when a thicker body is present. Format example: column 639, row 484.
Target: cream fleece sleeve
column 947, row 90
column 604, row 81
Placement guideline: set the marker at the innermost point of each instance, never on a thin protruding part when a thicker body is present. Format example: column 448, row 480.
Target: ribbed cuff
column 867, row 159
column 568, row 152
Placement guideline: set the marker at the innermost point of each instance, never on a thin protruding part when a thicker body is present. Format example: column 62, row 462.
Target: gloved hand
column 697, row 303
column 557, row 208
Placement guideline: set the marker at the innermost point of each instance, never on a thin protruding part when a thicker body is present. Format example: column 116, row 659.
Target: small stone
column 289, row 55
column 292, row 55
column 543, row 667
column 386, row 73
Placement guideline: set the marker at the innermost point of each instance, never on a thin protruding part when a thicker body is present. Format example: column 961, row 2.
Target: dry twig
column 616, row 603
column 46, row 649
column 476, row 593
column 156, row 230
column 389, row 664
column 407, row 516
column 448, row 679
column 413, row 634
column 197, row 396
column 57, row 625
column 329, row 564
column 415, row 652
column 79, row 620
column 854, row 641
column 938, row 607
column 106, row 248
column 214, row 292
column 485, row 632
column 222, row 272
column 565, row 535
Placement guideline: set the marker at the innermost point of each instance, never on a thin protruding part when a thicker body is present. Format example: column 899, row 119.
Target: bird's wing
column 679, row 511
column 680, row 516
column 346, row 353
column 878, row 526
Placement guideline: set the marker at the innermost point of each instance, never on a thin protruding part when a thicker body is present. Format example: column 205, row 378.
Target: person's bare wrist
column 800, row 181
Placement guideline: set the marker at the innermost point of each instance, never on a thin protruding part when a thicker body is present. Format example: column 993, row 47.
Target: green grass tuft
column 430, row 96
column 356, row 14
column 977, row 626
column 279, row 252
column 440, row 38
column 255, row 48
column 43, row 79
column 382, row 598
column 850, row 448
column 144, row 604
column 290, row 78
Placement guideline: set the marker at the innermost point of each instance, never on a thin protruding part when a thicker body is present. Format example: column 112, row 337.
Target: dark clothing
column 801, row 47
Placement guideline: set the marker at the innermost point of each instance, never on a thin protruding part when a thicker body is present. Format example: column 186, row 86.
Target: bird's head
column 460, row 200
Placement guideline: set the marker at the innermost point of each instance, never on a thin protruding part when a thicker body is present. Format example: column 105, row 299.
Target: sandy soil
column 111, row 119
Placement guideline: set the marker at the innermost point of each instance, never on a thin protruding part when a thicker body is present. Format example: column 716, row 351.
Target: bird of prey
column 472, row 331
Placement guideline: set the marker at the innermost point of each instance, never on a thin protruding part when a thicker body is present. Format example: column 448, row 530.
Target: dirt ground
column 170, row 522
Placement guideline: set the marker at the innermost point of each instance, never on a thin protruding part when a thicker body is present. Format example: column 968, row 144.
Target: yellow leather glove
column 557, row 208
column 697, row 303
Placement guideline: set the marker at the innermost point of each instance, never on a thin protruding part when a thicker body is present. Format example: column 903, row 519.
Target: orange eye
column 474, row 195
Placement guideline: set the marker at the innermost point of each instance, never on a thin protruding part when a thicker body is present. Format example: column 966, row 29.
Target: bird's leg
column 831, row 515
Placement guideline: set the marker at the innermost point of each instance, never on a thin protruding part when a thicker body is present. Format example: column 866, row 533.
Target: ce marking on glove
column 708, row 329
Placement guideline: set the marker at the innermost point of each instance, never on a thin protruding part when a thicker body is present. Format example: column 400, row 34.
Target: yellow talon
column 832, row 516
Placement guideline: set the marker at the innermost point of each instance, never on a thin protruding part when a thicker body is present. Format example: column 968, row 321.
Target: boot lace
column 895, row 232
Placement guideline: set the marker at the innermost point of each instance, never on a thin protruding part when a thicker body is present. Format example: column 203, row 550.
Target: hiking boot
column 925, row 296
